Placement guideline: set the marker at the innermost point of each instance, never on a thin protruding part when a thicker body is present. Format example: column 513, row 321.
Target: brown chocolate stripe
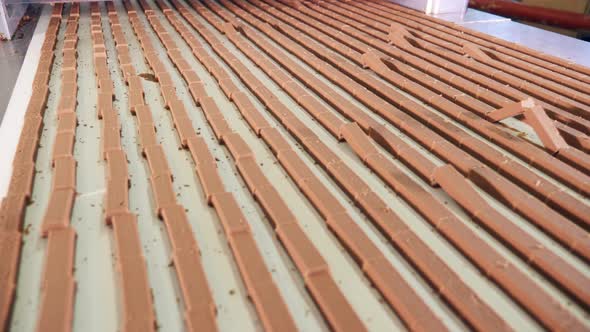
column 63, row 193
column 10, row 247
column 116, row 198
column 257, row 277
column 13, row 206
column 136, row 297
column 574, row 137
column 58, row 286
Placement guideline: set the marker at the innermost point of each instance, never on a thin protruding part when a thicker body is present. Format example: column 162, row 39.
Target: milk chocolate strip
column 545, row 129
column 62, row 196
column 13, row 205
column 136, row 296
column 256, row 275
column 116, row 198
column 21, row 183
column 10, row 246
column 135, row 290
column 508, row 111
column 58, row 286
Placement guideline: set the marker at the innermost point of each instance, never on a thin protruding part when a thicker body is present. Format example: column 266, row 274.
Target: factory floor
column 12, row 55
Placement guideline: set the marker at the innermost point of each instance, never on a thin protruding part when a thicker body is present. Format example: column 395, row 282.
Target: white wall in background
column 435, row 6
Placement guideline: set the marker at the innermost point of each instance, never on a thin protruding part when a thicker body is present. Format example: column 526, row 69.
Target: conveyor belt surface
column 292, row 165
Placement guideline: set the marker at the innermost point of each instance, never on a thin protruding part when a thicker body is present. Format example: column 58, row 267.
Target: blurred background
column 567, row 17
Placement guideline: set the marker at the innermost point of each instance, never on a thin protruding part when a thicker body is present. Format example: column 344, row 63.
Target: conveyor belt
column 291, row 165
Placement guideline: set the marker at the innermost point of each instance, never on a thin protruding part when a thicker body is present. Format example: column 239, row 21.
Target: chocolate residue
column 148, row 76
